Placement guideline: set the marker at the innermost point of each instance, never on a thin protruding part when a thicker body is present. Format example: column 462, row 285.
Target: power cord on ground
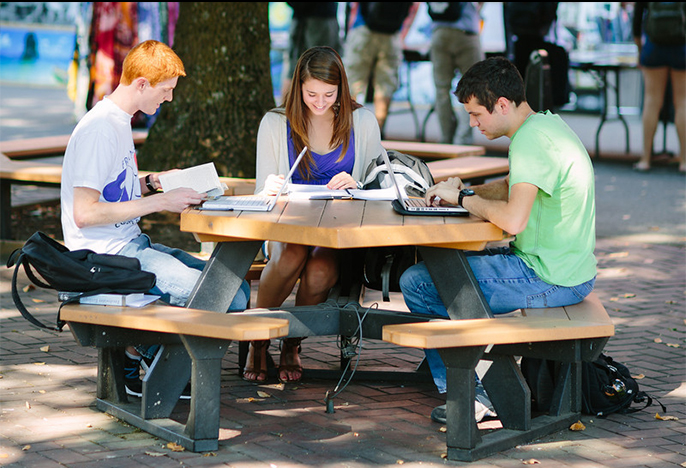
column 349, row 351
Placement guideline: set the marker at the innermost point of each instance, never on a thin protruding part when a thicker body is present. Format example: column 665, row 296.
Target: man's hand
column 445, row 193
column 179, row 199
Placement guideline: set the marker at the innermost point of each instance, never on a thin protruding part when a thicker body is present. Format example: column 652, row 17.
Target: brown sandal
column 256, row 361
column 289, row 360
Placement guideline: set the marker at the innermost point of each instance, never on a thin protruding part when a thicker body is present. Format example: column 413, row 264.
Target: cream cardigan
column 272, row 145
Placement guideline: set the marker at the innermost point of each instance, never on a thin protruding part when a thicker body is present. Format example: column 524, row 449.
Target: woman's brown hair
column 324, row 64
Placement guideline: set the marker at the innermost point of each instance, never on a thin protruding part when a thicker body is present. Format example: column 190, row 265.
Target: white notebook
column 202, row 179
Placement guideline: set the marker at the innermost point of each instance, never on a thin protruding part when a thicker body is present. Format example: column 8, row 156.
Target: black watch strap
column 464, row 193
column 148, row 184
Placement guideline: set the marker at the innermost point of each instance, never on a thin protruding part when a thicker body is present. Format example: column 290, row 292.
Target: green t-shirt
column 559, row 239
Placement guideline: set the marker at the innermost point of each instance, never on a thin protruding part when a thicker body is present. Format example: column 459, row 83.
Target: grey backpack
column 411, row 172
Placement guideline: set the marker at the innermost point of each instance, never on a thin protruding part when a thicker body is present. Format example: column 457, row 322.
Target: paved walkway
column 47, row 382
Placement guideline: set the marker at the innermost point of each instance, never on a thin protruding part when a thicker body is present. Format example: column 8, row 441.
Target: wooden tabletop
column 340, row 224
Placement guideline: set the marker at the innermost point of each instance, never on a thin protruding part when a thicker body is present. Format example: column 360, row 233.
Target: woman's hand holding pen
column 273, row 184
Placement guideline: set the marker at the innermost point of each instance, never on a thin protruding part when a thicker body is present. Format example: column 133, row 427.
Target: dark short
column 656, row 56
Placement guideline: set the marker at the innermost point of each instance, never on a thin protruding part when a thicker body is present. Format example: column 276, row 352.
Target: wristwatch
column 465, row 192
column 148, row 183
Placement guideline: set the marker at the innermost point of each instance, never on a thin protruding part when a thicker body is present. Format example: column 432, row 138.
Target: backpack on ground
column 445, row 11
column 411, row 173
column 82, row 271
column 385, row 17
column 665, row 23
column 606, row 386
column 383, row 266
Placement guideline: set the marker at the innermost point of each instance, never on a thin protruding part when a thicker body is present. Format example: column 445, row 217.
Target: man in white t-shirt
column 101, row 194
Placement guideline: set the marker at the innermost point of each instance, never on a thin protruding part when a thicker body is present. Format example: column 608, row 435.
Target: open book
column 202, row 179
column 321, row 192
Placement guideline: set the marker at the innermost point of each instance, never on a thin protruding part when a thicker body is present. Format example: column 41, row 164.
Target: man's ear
column 141, row 83
column 503, row 105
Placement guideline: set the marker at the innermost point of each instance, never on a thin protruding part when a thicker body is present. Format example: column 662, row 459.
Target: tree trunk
column 217, row 107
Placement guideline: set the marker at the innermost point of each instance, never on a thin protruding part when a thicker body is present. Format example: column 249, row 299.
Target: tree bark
column 216, row 109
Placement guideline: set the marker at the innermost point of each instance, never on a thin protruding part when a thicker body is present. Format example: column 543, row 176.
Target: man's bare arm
column 90, row 211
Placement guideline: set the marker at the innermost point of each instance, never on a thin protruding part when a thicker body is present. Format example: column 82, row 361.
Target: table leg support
column 455, row 283
column 509, row 393
column 223, row 275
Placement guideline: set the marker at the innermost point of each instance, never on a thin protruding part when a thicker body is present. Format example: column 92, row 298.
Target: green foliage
column 217, row 107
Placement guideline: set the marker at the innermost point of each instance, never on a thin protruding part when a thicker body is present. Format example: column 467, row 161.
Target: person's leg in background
column 389, row 57
column 679, row 94
column 442, row 45
column 358, row 59
column 467, row 54
column 655, row 84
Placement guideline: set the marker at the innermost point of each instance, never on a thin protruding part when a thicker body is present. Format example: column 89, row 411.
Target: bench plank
column 484, row 332
column 178, row 320
column 588, row 319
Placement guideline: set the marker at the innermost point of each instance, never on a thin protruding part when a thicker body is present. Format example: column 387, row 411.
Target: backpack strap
column 20, row 305
column 641, row 397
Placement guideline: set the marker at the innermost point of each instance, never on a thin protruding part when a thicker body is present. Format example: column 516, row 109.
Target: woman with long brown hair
column 342, row 138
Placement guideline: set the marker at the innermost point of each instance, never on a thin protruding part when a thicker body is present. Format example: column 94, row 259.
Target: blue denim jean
column 506, row 282
column 177, row 273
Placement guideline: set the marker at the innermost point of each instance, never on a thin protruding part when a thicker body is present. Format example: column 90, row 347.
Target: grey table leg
column 455, row 283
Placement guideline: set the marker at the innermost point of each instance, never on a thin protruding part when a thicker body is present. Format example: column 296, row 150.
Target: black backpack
column 385, row 17
column 666, row 23
column 82, row 271
column 606, row 386
column 445, row 11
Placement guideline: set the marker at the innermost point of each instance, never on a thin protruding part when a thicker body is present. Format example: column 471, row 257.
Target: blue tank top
column 326, row 165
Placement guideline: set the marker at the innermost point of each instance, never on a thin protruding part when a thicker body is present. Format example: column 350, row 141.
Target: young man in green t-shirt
column 547, row 202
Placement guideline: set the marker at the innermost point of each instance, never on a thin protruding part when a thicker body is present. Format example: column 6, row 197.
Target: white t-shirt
column 100, row 155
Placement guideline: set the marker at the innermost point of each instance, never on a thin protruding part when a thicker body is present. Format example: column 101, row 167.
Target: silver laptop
column 251, row 202
column 417, row 206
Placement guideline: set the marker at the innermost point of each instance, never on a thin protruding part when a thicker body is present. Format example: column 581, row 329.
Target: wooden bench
column 194, row 343
column 568, row 335
column 426, row 150
column 475, row 169
column 48, row 146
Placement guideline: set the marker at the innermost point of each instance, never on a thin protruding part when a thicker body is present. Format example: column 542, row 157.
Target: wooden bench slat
column 179, row 320
column 588, row 319
column 484, row 332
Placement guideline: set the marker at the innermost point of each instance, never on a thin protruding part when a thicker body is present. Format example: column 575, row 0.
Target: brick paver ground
column 49, row 418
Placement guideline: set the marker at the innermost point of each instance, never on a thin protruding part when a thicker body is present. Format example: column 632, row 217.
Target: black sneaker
column 132, row 377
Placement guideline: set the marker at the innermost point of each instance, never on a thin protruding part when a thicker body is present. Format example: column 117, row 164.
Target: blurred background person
column 373, row 49
column 659, row 32
column 455, row 46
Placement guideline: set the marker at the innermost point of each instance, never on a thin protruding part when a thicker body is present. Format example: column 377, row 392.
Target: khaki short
column 365, row 51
